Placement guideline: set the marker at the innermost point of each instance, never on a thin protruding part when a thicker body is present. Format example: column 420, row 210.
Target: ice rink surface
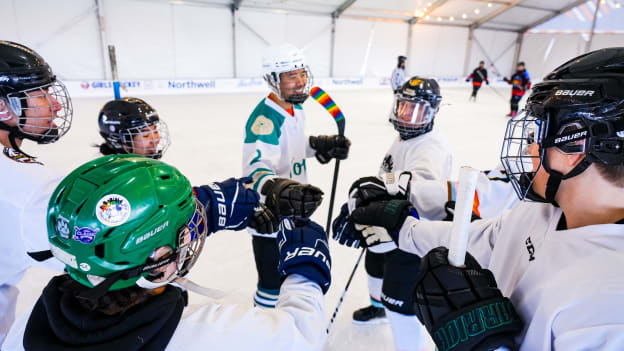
column 207, row 136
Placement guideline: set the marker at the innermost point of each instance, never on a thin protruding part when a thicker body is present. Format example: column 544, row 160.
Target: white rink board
column 207, row 133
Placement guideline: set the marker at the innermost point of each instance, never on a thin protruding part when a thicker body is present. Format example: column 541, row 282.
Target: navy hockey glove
column 303, row 250
column 462, row 308
column 264, row 221
column 344, row 231
column 330, row 146
column 229, row 204
column 285, row 197
column 384, row 220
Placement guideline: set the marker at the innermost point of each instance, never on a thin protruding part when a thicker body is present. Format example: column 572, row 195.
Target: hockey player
column 520, row 82
column 131, row 126
column 418, row 154
column 131, row 228
column 478, row 76
column 398, row 74
column 274, row 155
column 556, row 258
column 34, row 105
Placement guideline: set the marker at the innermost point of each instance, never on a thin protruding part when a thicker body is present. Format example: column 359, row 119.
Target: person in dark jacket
column 520, row 82
column 478, row 76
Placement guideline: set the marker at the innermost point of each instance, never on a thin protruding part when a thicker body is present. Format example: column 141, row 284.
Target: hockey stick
column 357, row 264
column 113, row 62
column 458, row 241
column 323, row 98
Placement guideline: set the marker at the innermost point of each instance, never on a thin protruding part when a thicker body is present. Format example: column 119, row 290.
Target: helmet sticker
column 62, row 227
column 415, row 82
column 112, row 210
column 85, row 235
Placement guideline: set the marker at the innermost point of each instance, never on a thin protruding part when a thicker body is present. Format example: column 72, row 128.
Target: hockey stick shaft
column 113, row 62
column 463, row 212
column 357, row 264
column 328, row 103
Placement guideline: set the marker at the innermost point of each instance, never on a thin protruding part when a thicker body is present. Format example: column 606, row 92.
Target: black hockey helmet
column 579, row 109
column 415, row 106
column 38, row 105
column 131, row 126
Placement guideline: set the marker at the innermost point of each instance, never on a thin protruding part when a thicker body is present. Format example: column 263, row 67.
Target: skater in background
column 520, row 82
column 142, row 228
column 275, row 152
column 398, row 74
column 478, row 76
column 131, row 126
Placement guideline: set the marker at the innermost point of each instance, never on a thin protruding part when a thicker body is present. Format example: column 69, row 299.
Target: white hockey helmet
column 283, row 58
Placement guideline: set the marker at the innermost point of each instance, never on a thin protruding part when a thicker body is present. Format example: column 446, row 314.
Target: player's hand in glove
column 382, row 220
column 467, row 79
column 390, row 186
column 506, row 79
column 449, row 298
column 285, row 197
column 264, row 221
column 344, row 231
column 487, row 82
column 330, row 146
column 303, row 250
column 229, row 204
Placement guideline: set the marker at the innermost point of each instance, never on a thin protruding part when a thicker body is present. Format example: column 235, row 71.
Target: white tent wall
column 437, row 51
column 257, row 29
column 65, row 32
column 544, row 52
column 387, row 41
column 495, row 47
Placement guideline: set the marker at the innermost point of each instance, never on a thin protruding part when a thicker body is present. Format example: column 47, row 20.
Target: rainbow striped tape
column 322, row 98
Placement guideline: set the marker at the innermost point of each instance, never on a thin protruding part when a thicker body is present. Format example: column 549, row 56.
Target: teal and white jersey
column 276, row 145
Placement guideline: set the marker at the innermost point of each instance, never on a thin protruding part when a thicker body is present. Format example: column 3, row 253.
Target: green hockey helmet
column 122, row 220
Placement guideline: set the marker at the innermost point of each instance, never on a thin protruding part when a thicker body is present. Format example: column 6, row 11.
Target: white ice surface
column 207, row 135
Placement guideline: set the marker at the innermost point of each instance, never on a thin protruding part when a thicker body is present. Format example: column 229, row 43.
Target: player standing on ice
column 135, row 227
column 34, row 105
column 398, row 74
column 520, row 83
column 417, row 154
column 131, row 126
column 478, row 76
column 274, row 155
column 556, row 258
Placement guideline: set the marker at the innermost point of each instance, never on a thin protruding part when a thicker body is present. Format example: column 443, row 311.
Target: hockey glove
column 330, row 146
column 344, row 231
column 487, row 82
column 467, row 79
column 229, row 204
column 285, row 197
column 462, row 308
column 264, row 221
column 303, row 250
column 382, row 220
column 390, row 186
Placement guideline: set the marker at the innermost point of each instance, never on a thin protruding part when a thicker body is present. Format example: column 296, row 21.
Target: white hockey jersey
column 566, row 285
column 276, row 145
column 296, row 324
column 426, row 156
column 493, row 194
column 24, row 194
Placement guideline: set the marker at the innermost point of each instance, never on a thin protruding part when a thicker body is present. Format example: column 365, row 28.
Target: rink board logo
column 85, row 235
column 113, row 210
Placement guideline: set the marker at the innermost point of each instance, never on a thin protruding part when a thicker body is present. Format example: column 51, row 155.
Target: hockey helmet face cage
column 285, row 63
column 415, row 106
column 136, row 222
column 130, row 125
column 39, row 102
column 582, row 104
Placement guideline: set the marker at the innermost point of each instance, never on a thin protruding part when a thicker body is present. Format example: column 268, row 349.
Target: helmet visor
column 413, row 114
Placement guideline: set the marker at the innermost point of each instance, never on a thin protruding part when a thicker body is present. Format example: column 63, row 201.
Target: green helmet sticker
column 111, row 214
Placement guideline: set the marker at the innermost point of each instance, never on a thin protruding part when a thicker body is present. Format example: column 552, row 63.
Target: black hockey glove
column 467, row 79
column 368, row 189
column 330, row 146
column 449, row 208
column 384, row 220
column 344, row 232
column 462, row 308
column 285, row 197
column 506, row 80
column 487, row 82
column 264, row 221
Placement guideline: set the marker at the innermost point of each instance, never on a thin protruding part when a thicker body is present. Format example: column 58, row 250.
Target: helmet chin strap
column 555, row 178
column 296, row 99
